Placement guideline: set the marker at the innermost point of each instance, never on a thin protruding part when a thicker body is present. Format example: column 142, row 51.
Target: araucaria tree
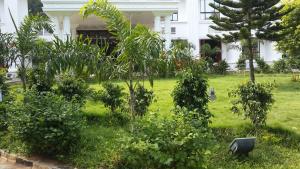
column 248, row 20
column 290, row 44
column 138, row 47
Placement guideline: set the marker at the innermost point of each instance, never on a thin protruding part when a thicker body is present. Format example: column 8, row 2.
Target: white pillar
column 157, row 23
column 193, row 17
column 67, row 27
column 168, row 31
column 57, row 30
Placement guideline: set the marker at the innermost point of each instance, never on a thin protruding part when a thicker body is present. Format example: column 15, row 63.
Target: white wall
column 18, row 8
column 193, row 27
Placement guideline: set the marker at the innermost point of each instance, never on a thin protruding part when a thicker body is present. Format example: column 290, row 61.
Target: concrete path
column 7, row 165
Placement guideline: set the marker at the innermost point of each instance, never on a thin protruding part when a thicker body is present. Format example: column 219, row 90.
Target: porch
column 156, row 14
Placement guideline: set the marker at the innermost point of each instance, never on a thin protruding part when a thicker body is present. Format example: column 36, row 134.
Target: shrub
column 263, row 67
column 255, row 100
column 73, row 89
column 143, row 98
column 47, row 123
column 5, row 104
column 172, row 143
column 38, row 79
column 241, row 64
column 280, row 66
column 220, row 68
column 111, row 96
column 191, row 93
column 201, row 66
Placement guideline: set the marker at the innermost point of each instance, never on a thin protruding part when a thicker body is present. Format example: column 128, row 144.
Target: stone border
column 28, row 163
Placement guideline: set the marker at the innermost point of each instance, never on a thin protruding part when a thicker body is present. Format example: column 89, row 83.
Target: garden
column 143, row 105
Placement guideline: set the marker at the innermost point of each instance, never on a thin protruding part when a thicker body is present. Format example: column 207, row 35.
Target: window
column 175, row 16
column 206, row 10
column 173, row 30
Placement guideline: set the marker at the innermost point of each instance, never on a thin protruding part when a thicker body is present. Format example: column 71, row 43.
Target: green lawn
column 285, row 112
column 278, row 147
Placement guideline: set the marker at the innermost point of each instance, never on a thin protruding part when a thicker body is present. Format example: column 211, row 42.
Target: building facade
column 173, row 19
column 18, row 9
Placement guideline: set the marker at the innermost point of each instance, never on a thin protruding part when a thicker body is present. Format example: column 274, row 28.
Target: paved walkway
column 6, row 165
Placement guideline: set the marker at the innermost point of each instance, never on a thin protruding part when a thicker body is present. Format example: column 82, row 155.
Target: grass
column 283, row 114
column 271, row 151
column 278, row 147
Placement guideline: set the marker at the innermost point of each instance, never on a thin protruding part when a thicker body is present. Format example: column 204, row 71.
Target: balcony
column 123, row 5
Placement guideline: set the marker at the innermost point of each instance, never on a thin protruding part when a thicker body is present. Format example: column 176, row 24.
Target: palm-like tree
column 138, row 47
column 77, row 56
column 25, row 41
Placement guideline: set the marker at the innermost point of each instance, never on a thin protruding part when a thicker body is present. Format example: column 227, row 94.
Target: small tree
column 138, row 49
column 25, row 41
column 191, row 93
column 255, row 100
column 111, row 96
column 290, row 44
column 5, row 45
column 248, row 20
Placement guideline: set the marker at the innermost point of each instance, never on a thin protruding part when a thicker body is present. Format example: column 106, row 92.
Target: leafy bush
column 220, row 68
column 255, row 100
column 191, row 93
column 172, row 143
column 47, row 123
column 281, row 66
column 143, row 98
column 38, row 79
column 241, row 64
column 6, row 103
column 201, row 66
column 73, row 89
column 111, row 96
column 263, row 67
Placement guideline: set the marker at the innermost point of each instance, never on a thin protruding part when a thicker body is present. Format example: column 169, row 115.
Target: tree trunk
column 132, row 98
column 23, row 74
column 251, row 59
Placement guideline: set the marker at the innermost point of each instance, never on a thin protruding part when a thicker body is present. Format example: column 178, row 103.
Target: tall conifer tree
column 248, row 20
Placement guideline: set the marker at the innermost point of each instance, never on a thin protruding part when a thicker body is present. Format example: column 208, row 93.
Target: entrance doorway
column 100, row 37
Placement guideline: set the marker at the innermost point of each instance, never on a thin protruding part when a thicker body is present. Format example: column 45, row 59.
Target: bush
column 168, row 144
column 5, row 104
column 111, row 96
column 281, row 66
column 38, row 79
column 191, row 93
column 73, row 89
column 220, row 68
column 241, row 64
column 143, row 98
column 47, row 123
column 255, row 100
column 263, row 67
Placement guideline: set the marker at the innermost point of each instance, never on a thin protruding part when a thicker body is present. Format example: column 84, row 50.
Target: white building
column 174, row 19
column 19, row 9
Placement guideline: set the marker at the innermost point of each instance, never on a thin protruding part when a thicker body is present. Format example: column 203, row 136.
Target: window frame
column 205, row 13
column 172, row 18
